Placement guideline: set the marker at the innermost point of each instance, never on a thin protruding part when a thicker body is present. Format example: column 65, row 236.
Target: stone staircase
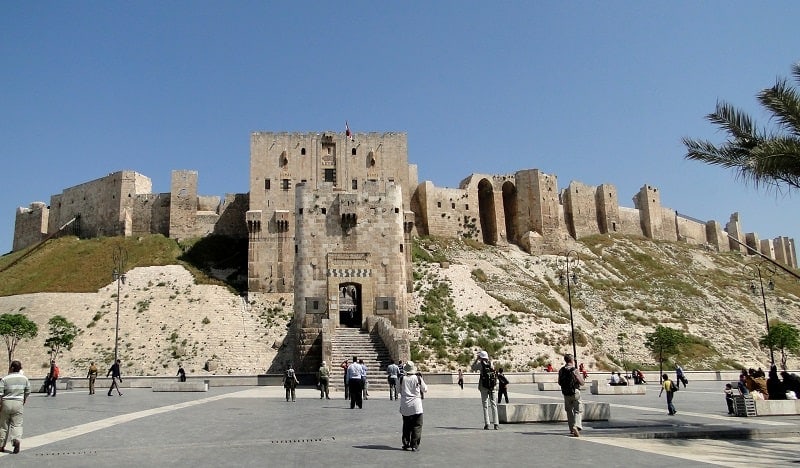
column 349, row 342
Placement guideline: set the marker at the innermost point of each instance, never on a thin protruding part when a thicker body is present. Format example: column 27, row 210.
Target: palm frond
column 784, row 103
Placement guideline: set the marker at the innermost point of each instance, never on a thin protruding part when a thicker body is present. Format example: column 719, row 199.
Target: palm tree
column 764, row 157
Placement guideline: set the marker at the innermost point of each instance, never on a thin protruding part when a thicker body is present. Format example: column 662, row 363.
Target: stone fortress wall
column 121, row 204
column 525, row 208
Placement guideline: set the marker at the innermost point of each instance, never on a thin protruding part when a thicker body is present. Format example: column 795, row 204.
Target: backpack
column 289, row 380
column 672, row 387
column 567, row 380
column 488, row 377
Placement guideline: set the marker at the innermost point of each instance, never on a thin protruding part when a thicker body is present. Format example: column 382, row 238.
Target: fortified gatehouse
column 330, row 219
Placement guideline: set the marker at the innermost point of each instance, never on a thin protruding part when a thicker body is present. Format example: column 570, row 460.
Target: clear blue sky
column 598, row 92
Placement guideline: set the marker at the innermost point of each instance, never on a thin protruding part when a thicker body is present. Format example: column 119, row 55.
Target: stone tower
column 319, row 161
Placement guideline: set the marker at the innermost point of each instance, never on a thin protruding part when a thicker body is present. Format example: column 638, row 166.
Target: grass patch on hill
column 72, row 265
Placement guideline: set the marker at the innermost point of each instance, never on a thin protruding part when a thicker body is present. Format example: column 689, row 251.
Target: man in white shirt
column 354, row 383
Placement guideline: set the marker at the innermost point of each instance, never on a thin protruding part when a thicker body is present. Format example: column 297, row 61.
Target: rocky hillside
column 513, row 304
column 466, row 296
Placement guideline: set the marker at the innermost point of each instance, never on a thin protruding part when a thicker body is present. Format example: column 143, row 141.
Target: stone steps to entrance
column 349, row 342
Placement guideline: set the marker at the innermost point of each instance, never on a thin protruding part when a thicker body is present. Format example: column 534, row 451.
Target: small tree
column 62, row 335
column 782, row 336
column 13, row 328
column 664, row 343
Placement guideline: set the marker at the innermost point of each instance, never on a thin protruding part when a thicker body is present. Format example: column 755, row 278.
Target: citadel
column 330, row 217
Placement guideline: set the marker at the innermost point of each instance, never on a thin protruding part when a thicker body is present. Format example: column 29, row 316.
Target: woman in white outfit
column 412, row 389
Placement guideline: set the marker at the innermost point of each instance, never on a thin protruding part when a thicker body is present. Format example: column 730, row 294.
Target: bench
column 545, row 377
column 548, row 386
column 597, row 388
column 777, row 407
column 512, row 413
column 191, row 386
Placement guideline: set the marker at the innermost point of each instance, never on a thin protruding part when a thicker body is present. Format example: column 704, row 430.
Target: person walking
column 669, row 387
column 570, row 380
column 364, row 381
column 323, row 379
column 290, row 382
column 461, row 379
column 181, row 374
column 52, row 378
column 354, row 383
column 393, row 373
column 14, row 391
column 412, row 391
column 680, row 376
column 486, row 385
column 116, row 377
column 92, row 376
column 344, row 365
column 502, row 386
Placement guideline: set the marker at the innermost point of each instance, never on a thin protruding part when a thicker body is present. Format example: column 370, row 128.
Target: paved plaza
column 255, row 426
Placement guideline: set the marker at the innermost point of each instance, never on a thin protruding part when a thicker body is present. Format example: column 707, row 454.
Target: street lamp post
column 569, row 261
column 119, row 257
column 762, row 269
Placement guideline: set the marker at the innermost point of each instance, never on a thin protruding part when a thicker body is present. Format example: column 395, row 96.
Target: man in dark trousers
column 570, row 380
column 355, row 384
column 116, row 377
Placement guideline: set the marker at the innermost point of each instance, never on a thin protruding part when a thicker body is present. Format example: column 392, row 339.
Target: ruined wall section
column 691, row 231
column 734, row 230
column 607, row 199
column 30, row 225
column 183, row 217
column 580, row 210
column 151, row 214
column 630, row 221
column 447, row 212
column 105, row 205
column 232, row 213
column 716, row 237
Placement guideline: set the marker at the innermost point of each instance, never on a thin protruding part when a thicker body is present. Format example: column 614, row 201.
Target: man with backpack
column 486, row 384
column 570, row 380
column 290, row 382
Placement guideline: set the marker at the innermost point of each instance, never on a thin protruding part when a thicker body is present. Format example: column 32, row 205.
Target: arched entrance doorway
column 510, row 211
column 350, row 305
column 486, row 209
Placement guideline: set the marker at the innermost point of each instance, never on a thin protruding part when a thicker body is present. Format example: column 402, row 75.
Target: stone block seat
column 777, row 407
column 598, row 388
column 548, row 386
column 511, row 413
column 188, row 386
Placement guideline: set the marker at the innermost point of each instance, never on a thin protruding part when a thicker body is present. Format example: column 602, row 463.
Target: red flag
column 347, row 131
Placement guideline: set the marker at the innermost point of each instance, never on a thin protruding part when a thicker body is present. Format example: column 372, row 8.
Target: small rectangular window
column 438, row 204
column 385, row 305
column 316, row 305
column 285, row 184
column 324, row 211
column 453, row 206
column 266, row 184
column 355, row 184
column 330, row 175
column 466, row 207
